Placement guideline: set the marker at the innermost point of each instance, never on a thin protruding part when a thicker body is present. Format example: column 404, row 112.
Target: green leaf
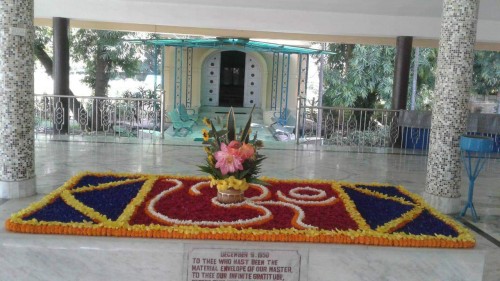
column 254, row 138
column 243, row 173
column 205, row 169
column 244, row 135
column 257, row 181
column 214, row 133
column 231, row 126
column 221, row 133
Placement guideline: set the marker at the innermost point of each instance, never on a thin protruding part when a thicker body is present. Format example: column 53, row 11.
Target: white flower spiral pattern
column 266, row 213
column 320, row 194
column 255, row 202
column 306, row 200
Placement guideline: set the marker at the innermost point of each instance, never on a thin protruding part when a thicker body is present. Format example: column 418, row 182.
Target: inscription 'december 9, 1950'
column 242, row 265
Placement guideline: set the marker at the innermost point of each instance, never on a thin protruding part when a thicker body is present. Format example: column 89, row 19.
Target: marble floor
column 57, row 161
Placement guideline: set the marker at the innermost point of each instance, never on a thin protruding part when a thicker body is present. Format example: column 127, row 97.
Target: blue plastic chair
column 184, row 113
column 178, row 124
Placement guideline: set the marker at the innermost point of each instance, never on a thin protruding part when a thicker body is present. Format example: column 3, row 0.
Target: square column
column 17, row 151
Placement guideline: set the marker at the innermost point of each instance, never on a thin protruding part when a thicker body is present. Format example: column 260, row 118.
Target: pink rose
column 246, row 151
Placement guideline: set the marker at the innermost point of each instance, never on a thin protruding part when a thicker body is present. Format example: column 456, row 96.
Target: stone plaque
column 213, row 264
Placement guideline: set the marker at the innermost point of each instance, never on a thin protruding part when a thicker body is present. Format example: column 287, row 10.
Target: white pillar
column 449, row 112
column 17, row 150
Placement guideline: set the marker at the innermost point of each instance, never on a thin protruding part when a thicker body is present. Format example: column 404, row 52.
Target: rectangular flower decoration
column 318, row 211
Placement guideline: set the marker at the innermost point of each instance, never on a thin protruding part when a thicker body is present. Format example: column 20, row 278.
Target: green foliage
column 104, row 53
column 426, row 79
column 362, row 76
column 358, row 76
column 427, row 64
column 231, row 126
column 245, row 134
column 251, row 169
column 229, row 133
column 43, row 36
column 143, row 93
column 486, row 77
column 150, row 56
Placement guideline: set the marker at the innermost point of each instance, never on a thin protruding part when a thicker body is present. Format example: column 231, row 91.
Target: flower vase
column 230, row 196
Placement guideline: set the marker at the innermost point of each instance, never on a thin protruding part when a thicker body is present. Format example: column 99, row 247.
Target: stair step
column 240, row 113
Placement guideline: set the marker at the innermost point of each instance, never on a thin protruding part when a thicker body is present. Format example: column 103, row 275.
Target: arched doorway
column 231, row 78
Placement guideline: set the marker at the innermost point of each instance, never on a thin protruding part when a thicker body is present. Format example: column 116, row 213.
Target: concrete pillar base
column 445, row 205
column 17, row 189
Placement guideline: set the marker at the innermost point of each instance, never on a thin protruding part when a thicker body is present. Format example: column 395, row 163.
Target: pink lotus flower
column 227, row 160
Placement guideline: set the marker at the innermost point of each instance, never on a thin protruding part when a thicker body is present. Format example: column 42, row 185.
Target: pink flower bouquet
column 233, row 160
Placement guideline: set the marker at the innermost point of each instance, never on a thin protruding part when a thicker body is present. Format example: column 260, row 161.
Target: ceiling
column 309, row 18
column 489, row 9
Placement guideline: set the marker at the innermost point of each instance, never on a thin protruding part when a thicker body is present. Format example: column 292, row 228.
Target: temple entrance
column 232, row 79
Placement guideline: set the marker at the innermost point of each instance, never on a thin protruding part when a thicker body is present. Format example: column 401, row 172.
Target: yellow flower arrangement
column 231, row 182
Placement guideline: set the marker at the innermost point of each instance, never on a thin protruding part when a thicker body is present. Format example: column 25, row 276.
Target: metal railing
column 141, row 118
column 99, row 116
column 379, row 128
column 348, row 126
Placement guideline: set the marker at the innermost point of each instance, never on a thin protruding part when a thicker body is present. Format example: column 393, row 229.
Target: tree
column 43, row 37
column 426, row 79
column 104, row 54
column 486, row 76
column 151, row 57
column 359, row 76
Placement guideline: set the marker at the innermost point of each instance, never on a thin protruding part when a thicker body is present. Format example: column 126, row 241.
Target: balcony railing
column 98, row 116
column 358, row 128
column 380, row 128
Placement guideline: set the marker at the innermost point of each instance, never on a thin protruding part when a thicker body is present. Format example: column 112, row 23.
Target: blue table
column 474, row 149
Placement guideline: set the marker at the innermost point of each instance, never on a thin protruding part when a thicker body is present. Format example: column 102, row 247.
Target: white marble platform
column 56, row 258
column 59, row 257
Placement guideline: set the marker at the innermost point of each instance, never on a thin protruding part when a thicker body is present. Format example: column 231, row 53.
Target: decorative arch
column 254, row 80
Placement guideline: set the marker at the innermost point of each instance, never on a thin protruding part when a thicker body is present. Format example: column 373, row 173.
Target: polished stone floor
column 57, row 161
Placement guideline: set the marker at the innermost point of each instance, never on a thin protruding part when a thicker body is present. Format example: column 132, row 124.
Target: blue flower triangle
column 387, row 190
column 89, row 180
column 376, row 211
column 112, row 201
column 58, row 211
column 427, row 224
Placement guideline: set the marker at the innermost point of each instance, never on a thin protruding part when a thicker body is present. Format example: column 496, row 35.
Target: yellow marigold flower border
column 102, row 226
